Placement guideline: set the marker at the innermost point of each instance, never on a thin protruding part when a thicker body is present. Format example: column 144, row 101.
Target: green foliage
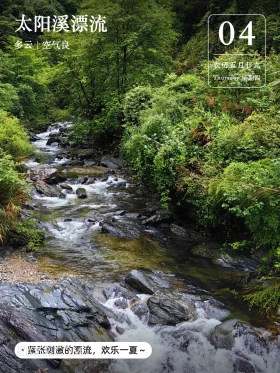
column 267, row 299
column 29, row 233
column 100, row 67
column 12, row 194
column 22, row 77
column 136, row 100
column 159, row 143
column 252, row 192
column 256, row 138
column 13, row 139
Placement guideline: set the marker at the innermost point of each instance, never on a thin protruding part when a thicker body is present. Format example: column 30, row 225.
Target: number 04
column 249, row 35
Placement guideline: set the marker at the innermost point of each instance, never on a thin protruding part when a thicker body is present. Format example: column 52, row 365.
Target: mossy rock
column 88, row 171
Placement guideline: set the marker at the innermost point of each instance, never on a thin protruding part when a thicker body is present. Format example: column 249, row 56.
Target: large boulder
column 188, row 233
column 158, row 218
column 167, row 311
column 32, row 136
column 147, row 283
column 49, row 175
column 47, row 312
column 46, row 189
column 86, row 171
column 52, row 140
column 111, row 162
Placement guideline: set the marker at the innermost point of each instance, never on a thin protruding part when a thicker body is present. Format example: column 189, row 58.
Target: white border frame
column 244, row 54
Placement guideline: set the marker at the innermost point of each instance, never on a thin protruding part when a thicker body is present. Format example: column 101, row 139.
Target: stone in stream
column 46, row 312
column 118, row 291
column 63, row 129
column 85, row 179
column 62, row 196
column 111, row 162
column 75, row 162
column 243, row 365
column 90, row 181
column 81, row 193
column 189, row 233
column 158, row 218
column 167, row 311
column 53, row 134
column 87, row 171
column 32, row 136
column 52, row 140
column 84, row 154
column 66, row 186
column 46, row 189
column 117, row 227
column 147, row 283
column 48, row 175
column 119, row 184
column 224, row 334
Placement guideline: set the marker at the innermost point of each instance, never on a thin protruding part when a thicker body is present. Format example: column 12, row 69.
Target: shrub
column 256, row 138
column 13, row 139
column 252, row 192
column 12, row 194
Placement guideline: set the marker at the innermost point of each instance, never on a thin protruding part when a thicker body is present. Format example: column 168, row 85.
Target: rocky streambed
column 115, row 267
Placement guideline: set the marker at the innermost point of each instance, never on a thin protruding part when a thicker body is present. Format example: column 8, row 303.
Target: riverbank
column 119, row 268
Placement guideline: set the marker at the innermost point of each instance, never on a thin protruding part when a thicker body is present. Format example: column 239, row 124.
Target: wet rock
column 49, row 175
column 120, row 330
column 74, row 162
column 213, row 309
column 81, row 193
column 240, row 262
column 111, row 162
column 243, row 365
column 138, row 281
column 62, row 196
column 63, row 129
column 120, row 184
column 140, row 309
column 43, row 312
column 32, row 136
column 158, row 218
column 66, row 186
column 223, row 335
column 146, row 214
column 121, row 213
column 117, row 291
column 46, row 189
column 118, row 227
column 52, row 140
column 85, row 179
column 87, row 171
column 54, row 134
column 90, row 181
column 147, row 283
column 167, row 311
column 178, row 230
column 84, row 154
column 207, row 249
column 186, row 232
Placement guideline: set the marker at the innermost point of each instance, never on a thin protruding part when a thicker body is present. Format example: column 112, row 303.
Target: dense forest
column 139, row 82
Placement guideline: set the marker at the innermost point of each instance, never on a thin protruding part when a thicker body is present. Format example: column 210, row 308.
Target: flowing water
column 76, row 246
